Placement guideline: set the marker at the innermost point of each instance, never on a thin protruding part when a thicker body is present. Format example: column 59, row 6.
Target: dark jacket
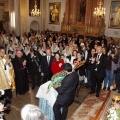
column 88, row 62
column 81, row 69
column 33, row 64
column 100, row 67
column 67, row 90
column 45, row 68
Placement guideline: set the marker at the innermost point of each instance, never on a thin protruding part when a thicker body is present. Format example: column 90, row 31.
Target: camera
column 6, row 102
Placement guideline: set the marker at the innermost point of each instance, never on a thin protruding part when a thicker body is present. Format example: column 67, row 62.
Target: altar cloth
column 47, row 100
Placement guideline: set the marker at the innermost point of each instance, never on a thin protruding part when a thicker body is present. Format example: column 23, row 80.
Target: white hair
column 32, row 112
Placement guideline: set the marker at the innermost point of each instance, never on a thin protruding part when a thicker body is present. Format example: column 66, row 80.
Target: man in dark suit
column 66, row 93
column 46, row 66
column 33, row 65
column 98, row 71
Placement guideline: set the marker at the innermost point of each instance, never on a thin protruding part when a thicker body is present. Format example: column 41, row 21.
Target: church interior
column 88, row 19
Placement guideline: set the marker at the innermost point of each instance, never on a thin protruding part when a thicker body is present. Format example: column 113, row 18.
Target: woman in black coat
column 80, row 70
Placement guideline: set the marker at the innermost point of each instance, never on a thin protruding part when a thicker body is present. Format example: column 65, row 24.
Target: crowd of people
column 42, row 55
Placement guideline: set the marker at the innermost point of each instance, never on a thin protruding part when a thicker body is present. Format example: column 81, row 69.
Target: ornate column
column 42, row 15
column 89, row 19
column 72, row 12
column 7, row 9
column 17, row 17
column 23, row 15
column 66, row 14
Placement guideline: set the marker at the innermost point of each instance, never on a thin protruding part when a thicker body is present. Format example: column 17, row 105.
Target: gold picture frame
column 54, row 13
column 114, row 17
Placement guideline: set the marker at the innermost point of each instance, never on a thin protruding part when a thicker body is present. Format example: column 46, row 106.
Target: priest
column 6, row 74
column 21, row 80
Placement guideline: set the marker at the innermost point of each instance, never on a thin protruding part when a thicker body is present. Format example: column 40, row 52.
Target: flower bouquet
column 113, row 113
column 78, row 64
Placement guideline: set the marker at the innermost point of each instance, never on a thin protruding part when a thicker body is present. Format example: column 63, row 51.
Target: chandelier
column 35, row 11
column 99, row 12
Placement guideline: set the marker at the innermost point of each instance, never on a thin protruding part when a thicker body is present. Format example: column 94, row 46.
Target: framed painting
column 114, row 18
column 54, row 13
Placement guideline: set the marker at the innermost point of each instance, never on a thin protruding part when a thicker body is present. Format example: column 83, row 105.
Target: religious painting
column 114, row 20
column 81, row 11
column 54, row 13
column 34, row 7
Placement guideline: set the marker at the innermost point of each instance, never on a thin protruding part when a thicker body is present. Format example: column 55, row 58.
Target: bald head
column 19, row 53
column 99, row 49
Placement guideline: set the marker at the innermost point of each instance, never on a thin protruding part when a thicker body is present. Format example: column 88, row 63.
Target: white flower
column 112, row 114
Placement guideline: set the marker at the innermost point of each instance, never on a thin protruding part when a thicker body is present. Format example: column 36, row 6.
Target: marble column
column 17, row 17
column 12, row 28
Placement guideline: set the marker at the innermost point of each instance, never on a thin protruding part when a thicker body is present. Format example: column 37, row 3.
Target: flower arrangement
column 113, row 113
column 78, row 64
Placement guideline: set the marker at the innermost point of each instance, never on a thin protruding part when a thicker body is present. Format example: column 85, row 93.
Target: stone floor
column 20, row 100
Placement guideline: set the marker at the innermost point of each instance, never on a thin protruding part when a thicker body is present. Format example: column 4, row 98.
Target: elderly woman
column 32, row 112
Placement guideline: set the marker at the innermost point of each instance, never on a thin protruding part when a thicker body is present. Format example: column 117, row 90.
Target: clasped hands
column 94, row 59
column 24, row 62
